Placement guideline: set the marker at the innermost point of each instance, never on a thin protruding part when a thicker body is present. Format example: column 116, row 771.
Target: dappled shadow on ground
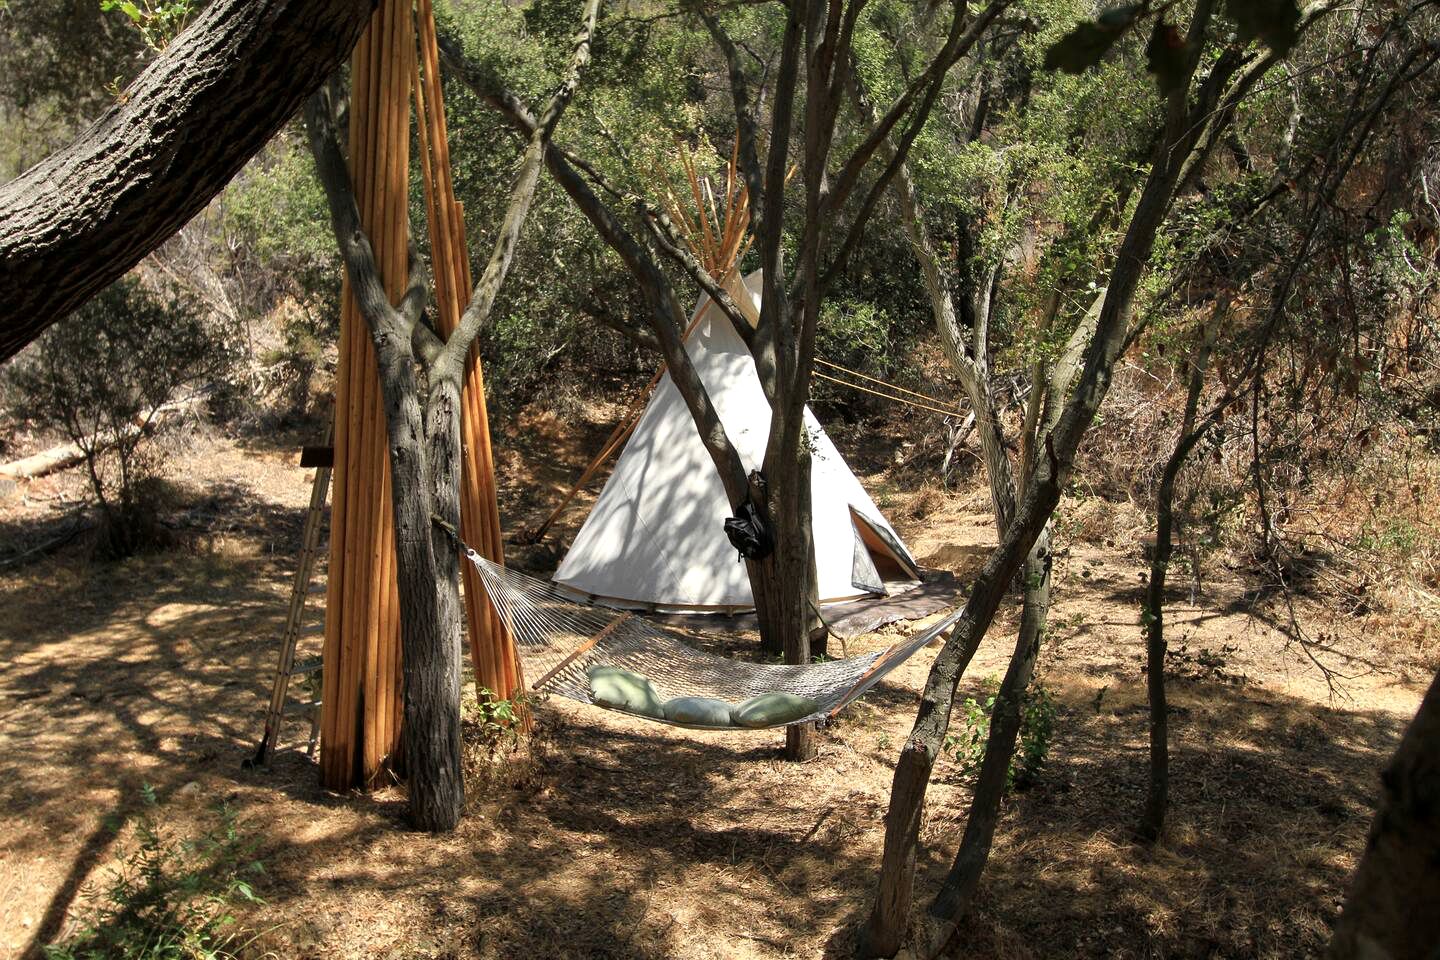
column 1271, row 797
column 114, row 675
column 609, row 837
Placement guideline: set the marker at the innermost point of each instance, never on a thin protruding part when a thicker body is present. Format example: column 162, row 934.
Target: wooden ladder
column 322, row 458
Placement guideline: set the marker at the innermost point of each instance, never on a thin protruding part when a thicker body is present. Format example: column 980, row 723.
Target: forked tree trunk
column 885, row 929
column 954, row 900
column 1393, row 909
column 884, row 932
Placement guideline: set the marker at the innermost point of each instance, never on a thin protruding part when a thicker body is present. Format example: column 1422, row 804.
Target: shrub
column 498, row 719
column 167, row 899
column 102, row 378
column 1037, row 729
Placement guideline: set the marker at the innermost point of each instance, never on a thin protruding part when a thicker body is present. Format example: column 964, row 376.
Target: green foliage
column 158, row 21
column 57, row 57
column 1037, row 730
column 168, row 899
column 498, row 718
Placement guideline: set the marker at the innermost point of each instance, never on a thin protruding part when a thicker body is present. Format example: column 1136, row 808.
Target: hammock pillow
column 700, row 711
column 773, row 709
column 623, row 690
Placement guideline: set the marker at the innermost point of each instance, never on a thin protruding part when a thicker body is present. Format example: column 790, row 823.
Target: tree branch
column 77, row 221
column 355, row 249
column 930, row 82
column 482, row 301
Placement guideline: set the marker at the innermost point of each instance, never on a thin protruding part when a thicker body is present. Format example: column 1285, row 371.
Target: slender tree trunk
column 1393, row 909
column 955, row 898
column 1152, row 821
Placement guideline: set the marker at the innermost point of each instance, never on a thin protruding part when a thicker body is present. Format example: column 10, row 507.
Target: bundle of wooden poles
column 362, row 686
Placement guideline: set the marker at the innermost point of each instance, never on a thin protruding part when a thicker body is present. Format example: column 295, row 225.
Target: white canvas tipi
column 655, row 537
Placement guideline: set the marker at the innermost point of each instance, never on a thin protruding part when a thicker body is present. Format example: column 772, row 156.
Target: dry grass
column 607, row 837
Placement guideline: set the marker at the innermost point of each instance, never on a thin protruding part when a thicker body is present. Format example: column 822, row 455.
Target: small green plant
column 498, row 718
column 168, row 899
column 158, row 21
column 1037, row 730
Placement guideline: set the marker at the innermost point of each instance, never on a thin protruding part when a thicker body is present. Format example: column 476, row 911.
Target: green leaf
column 131, row 10
column 1084, row 46
column 1166, row 55
column 1274, row 23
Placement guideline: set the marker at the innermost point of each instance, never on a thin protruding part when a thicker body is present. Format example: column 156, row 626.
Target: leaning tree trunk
column 75, row 222
column 954, row 900
column 1393, row 910
column 889, row 920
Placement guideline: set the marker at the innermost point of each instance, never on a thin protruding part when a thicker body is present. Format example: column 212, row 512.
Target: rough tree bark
column 1391, row 911
column 424, row 443
column 75, row 222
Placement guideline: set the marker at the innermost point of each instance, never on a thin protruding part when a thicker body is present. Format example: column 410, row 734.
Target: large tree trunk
column 75, row 222
column 783, row 583
column 429, row 612
column 1393, row 910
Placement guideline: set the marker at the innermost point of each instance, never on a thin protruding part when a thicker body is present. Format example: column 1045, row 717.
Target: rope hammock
column 566, row 645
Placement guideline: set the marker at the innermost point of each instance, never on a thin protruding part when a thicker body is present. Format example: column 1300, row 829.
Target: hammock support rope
column 558, row 640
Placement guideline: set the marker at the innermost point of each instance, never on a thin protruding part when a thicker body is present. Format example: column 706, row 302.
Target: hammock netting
column 558, row 640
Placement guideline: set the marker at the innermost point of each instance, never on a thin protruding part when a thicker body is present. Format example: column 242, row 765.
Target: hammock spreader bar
column 558, row 640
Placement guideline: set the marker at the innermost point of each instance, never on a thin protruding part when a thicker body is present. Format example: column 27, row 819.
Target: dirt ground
column 608, row 837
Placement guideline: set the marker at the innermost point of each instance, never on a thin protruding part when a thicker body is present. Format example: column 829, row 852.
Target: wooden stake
column 608, row 629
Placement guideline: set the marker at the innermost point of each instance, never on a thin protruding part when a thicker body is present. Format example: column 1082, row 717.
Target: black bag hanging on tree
column 747, row 530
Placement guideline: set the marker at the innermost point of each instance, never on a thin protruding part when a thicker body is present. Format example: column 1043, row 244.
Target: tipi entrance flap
column 863, row 574
column 891, row 559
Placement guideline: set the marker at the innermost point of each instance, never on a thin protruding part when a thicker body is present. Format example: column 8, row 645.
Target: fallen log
column 67, row 455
